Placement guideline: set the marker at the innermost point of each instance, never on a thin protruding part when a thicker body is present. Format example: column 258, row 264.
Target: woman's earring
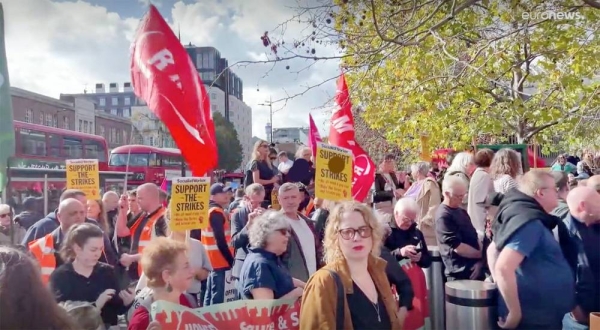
column 169, row 288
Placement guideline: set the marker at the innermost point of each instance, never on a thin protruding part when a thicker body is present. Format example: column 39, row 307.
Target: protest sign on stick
column 83, row 174
column 189, row 203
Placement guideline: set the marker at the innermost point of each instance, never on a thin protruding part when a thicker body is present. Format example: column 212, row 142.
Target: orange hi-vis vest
column 309, row 207
column 148, row 232
column 210, row 244
column 43, row 250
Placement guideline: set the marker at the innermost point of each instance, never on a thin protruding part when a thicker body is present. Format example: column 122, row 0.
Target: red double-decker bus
column 146, row 163
column 40, row 156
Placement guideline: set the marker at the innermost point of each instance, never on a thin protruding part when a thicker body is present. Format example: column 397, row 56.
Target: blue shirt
column 544, row 279
column 263, row 269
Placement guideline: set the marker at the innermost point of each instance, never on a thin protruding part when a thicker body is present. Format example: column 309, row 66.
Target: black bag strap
column 341, row 300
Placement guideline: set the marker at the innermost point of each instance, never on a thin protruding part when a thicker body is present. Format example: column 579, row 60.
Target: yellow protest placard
column 189, row 203
column 333, row 177
column 275, row 200
column 83, row 174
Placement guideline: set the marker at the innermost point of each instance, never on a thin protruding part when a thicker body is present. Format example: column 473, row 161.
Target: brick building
column 72, row 113
column 38, row 109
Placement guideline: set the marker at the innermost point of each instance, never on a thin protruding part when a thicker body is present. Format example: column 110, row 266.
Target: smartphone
column 419, row 247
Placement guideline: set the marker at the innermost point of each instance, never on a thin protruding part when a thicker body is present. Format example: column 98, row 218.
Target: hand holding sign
column 189, row 203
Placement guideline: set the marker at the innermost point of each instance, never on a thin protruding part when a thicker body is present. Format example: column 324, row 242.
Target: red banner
column 241, row 314
column 164, row 76
column 341, row 134
column 313, row 137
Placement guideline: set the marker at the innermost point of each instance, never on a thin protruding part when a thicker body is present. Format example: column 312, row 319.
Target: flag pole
column 4, row 192
column 127, row 165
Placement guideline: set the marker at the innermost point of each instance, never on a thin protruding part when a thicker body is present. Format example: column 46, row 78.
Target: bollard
column 471, row 305
column 435, row 287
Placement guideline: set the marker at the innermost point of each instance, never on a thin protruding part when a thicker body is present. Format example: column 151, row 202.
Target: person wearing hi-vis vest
column 149, row 225
column 46, row 249
column 217, row 242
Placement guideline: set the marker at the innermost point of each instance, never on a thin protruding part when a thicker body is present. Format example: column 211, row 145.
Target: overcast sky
column 64, row 46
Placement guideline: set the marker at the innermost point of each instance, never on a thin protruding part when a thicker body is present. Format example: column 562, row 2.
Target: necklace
column 376, row 306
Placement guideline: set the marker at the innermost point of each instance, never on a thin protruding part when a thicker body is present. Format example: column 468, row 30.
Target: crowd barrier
column 471, row 305
column 435, row 286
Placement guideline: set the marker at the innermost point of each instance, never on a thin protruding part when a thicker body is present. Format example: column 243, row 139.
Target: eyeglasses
column 350, row 233
column 273, row 158
column 264, row 145
column 4, row 215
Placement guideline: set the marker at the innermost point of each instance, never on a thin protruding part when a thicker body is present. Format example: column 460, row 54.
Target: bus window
column 95, row 150
column 134, row 159
column 54, row 145
column 154, row 161
column 171, row 161
column 33, row 142
column 72, row 147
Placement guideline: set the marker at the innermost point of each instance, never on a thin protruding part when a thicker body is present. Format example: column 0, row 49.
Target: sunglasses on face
column 350, row 233
column 264, row 145
column 4, row 215
column 273, row 158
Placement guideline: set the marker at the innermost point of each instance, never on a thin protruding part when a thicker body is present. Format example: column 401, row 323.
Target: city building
column 225, row 90
column 149, row 130
column 39, row 109
column 70, row 112
column 297, row 135
column 214, row 71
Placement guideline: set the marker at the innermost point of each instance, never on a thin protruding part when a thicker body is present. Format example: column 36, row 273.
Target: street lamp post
column 270, row 105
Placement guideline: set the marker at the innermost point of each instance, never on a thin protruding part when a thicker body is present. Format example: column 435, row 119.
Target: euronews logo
column 551, row 15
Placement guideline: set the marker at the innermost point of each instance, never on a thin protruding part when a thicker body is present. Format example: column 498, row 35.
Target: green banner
column 7, row 130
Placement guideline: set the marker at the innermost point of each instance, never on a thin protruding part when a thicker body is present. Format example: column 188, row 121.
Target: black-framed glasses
column 350, row 233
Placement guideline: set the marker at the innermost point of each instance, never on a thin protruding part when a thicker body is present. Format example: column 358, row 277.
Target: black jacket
column 381, row 195
column 398, row 277
column 412, row 236
column 516, row 209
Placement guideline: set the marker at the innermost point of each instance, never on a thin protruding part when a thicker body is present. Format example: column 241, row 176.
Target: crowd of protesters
column 92, row 263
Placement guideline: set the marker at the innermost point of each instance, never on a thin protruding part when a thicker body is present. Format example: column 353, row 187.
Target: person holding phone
column 83, row 278
column 408, row 244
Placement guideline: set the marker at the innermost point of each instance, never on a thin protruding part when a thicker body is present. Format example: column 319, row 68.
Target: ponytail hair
column 79, row 235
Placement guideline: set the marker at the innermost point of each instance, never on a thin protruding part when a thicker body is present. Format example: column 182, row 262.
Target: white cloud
column 147, row 3
column 60, row 47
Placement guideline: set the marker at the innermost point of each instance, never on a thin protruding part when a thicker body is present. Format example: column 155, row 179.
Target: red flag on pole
column 313, row 136
column 341, row 134
column 164, row 76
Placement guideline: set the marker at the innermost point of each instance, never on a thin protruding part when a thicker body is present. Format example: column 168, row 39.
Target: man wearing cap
column 31, row 212
column 217, row 242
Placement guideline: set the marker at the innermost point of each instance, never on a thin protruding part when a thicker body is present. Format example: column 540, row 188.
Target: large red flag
column 313, row 136
column 164, row 76
column 341, row 134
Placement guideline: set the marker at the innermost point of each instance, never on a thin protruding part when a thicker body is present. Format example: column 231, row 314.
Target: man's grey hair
column 287, row 187
column 85, row 315
column 406, row 204
column 421, row 168
column 461, row 163
column 110, row 193
column 263, row 226
column 533, row 181
column 255, row 188
column 451, row 182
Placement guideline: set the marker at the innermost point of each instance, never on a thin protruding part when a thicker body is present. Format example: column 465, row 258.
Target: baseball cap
column 561, row 179
column 219, row 188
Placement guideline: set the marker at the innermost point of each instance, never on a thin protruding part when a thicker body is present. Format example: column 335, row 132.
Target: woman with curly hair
column 353, row 239
column 263, row 276
column 506, row 166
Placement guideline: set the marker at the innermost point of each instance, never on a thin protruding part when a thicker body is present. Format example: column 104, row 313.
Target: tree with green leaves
column 456, row 69
column 452, row 70
column 228, row 144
